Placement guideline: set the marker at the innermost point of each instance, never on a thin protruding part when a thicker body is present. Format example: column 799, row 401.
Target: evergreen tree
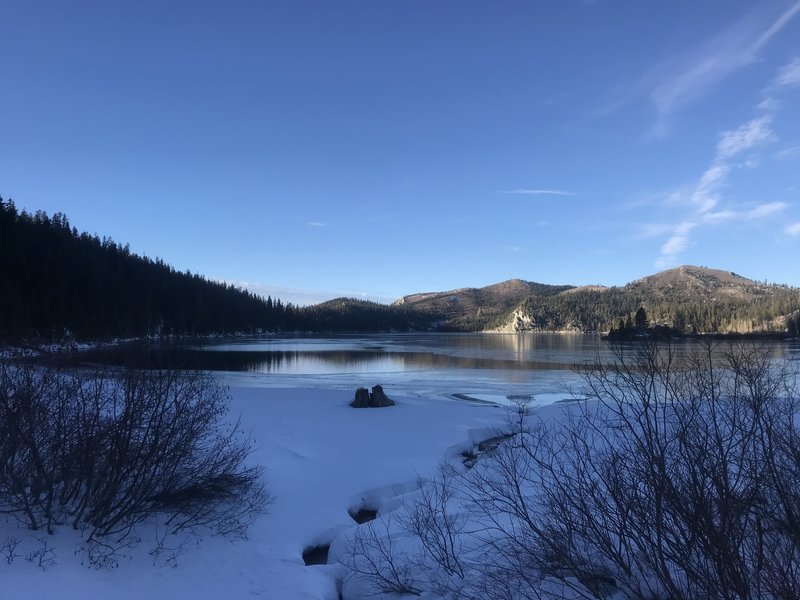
column 641, row 320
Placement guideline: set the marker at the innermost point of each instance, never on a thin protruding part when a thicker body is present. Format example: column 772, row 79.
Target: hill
column 472, row 309
column 699, row 284
column 688, row 298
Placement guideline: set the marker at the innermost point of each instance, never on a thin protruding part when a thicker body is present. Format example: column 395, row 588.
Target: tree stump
column 362, row 398
column 378, row 399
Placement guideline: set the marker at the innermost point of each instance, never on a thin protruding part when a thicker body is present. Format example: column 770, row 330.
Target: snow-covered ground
column 321, row 457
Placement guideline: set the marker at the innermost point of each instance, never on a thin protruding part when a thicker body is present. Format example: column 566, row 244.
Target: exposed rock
column 364, row 515
column 316, row 555
column 376, row 399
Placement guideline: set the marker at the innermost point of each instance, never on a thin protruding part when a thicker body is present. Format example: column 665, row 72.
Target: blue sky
column 317, row 149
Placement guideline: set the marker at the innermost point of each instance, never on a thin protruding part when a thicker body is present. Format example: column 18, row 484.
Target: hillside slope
column 699, row 284
column 475, row 308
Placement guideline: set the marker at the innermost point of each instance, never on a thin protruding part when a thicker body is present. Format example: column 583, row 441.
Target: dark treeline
column 57, row 283
column 346, row 314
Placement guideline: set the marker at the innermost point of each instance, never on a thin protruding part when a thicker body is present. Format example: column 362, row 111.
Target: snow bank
column 322, row 459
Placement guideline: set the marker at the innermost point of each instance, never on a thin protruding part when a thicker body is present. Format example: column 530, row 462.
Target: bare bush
column 43, row 557
column 105, row 450
column 670, row 488
column 8, row 550
column 433, row 520
column 375, row 559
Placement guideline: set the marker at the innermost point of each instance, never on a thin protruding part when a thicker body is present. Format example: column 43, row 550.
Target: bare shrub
column 673, row 485
column 43, row 557
column 375, row 559
column 105, row 450
column 8, row 550
column 431, row 518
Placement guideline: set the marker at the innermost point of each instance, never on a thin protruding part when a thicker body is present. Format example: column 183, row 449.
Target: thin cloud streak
column 765, row 210
column 535, row 192
column 793, row 229
column 673, row 85
column 787, row 153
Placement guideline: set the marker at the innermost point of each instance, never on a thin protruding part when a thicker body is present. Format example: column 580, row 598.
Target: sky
column 314, row 149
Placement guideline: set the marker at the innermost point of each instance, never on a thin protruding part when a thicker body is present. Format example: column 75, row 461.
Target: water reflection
column 414, row 352
column 356, row 361
column 417, row 363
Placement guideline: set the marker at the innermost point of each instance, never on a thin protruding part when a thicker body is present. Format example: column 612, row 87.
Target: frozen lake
column 425, row 364
column 418, row 364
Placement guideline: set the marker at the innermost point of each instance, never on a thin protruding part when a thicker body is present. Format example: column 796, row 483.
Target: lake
column 425, row 364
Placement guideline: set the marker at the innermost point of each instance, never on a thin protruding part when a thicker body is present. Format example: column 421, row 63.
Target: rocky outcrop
column 375, row 399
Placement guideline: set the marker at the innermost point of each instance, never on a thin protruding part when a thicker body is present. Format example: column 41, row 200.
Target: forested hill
column 56, row 282
column 687, row 299
column 474, row 309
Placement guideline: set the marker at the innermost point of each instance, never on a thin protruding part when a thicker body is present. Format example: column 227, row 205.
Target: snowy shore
column 322, row 459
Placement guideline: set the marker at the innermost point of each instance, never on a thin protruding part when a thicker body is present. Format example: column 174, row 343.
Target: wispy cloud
column 752, row 133
column 789, row 75
column 769, row 104
column 539, row 192
column 720, row 216
column 676, row 244
column 793, row 229
column 674, row 84
column 317, row 224
column 705, row 195
column 758, row 212
column 789, row 152
column 763, row 211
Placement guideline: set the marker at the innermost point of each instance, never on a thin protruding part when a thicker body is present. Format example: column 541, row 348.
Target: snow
column 322, row 459
column 535, row 401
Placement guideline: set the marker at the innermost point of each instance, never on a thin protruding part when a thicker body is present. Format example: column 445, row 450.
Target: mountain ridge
column 693, row 298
